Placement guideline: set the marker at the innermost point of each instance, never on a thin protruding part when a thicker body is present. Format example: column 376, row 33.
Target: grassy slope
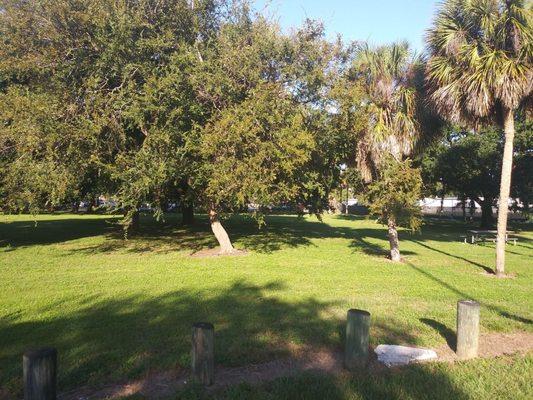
column 117, row 309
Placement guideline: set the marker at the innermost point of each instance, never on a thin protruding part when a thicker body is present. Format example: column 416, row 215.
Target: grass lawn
column 503, row 378
column 118, row 309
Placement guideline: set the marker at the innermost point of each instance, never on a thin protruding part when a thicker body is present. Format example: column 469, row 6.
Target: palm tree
column 480, row 71
column 392, row 83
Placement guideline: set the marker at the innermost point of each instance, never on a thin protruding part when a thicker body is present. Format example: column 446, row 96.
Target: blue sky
column 378, row 21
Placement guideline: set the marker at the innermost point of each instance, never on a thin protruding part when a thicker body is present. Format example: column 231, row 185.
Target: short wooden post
column 203, row 359
column 357, row 336
column 467, row 329
column 40, row 374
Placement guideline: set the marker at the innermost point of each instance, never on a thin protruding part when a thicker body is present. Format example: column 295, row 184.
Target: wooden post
column 357, row 334
column 203, row 360
column 40, row 374
column 467, row 329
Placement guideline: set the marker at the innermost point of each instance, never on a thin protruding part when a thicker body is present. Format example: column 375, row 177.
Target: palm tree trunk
column 220, row 233
column 505, row 188
column 393, row 240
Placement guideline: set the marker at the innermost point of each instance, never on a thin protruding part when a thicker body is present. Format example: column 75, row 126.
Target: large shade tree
column 480, row 71
column 200, row 102
column 104, row 66
column 262, row 91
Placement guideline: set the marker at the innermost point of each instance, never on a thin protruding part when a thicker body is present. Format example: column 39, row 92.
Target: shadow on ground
column 121, row 338
column 466, row 296
column 169, row 236
column 413, row 382
column 447, row 333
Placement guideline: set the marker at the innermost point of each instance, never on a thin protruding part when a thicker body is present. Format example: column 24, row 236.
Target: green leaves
column 42, row 150
column 480, row 58
column 254, row 150
column 395, row 194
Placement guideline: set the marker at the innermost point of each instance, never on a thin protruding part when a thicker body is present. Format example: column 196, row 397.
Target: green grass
column 117, row 309
column 503, row 378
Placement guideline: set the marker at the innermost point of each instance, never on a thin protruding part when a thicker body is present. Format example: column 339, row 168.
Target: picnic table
column 482, row 235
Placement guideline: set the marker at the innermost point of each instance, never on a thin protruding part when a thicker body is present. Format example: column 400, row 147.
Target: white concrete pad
column 392, row 355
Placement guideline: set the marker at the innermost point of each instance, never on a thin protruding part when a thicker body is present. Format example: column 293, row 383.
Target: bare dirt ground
column 494, row 345
column 215, row 252
column 327, row 361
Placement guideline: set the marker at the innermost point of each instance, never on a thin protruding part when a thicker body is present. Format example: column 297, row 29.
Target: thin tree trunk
column 505, row 188
column 442, row 201
column 472, row 209
column 463, row 207
column 347, row 199
column 220, row 233
column 133, row 224
column 93, row 203
column 186, row 204
column 135, row 221
column 486, row 213
column 393, row 240
column 187, row 213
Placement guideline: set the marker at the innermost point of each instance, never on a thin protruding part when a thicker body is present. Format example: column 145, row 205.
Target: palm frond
column 480, row 58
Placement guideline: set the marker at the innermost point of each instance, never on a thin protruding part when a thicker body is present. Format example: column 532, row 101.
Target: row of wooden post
column 40, row 367
column 358, row 329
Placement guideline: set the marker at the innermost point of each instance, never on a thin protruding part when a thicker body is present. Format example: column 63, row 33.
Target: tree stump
column 203, row 360
column 357, row 337
column 467, row 329
column 40, row 374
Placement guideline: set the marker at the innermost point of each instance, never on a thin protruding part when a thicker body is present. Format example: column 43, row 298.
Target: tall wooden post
column 467, row 329
column 40, row 374
column 357, row 338
column 203, row 360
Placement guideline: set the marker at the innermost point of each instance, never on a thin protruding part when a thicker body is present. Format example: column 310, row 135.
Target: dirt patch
column 494, row 345
column 215, row 252
column 320, row 360
column 491, row 274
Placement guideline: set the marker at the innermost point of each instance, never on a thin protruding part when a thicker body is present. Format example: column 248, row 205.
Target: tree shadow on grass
column 448, row 334
column 483, row 267
column 50, row 231
column 280, row 232
column 360, row 243
column 167, row 236
column 466, row 296
column 112, row 340
column 416, row 382
column 119, row 338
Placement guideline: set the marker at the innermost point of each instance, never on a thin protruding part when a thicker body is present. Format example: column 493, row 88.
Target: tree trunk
column 133, row 224
column 463, row 207
column 486, row 213
column 90, row 206
column 393, row 240
column 347, row 199
column 187, row 213
column 441, row 211
column 220, row 233
column 472, row 209
column 505, row 188
column 186, row 203
column 135, row 221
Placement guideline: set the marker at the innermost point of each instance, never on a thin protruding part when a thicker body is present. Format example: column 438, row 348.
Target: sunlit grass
column 116, row 309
